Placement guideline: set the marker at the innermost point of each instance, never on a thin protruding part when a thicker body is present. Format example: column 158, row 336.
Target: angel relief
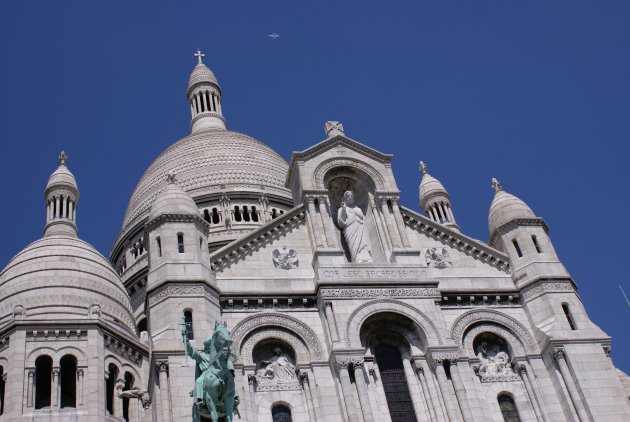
column 285, row 259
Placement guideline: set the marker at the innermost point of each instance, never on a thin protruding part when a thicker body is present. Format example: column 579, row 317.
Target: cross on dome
column 424, row 168
column 496, row 185
column 63, row 158
column 199, row 55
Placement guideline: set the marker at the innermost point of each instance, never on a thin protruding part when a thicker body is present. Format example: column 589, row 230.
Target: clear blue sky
column 535, row 93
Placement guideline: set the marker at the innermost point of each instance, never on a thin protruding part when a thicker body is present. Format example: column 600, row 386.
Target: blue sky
column 534, row 93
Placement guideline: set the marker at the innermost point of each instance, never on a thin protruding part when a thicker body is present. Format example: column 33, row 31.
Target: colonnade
column 60, row 206
column 205, row 101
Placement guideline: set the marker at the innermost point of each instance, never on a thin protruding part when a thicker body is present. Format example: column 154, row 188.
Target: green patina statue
column 214, row 394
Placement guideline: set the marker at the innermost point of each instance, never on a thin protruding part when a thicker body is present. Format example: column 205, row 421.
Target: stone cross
column 423, row 168
column 333, row 128
column 199, row 55
column 63, row 158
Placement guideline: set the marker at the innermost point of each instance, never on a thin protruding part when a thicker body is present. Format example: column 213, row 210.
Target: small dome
column 202, row 74
column 60, row 278
column 429, row 187
column 62, row 177
column 506, row 207
column 173, row 200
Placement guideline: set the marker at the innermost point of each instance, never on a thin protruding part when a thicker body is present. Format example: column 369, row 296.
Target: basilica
column 341, row 305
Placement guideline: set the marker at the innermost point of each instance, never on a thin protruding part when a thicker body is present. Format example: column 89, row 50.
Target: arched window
column 159, row 245
column 180, row 242
column 274, row 213
column 68, row 378
column 125, row 402
column 245, row 213
column 518, row 248
column 508, row 408
column 215, row 216
column 206, row 215
column 281, row 413
column 188, row 321
column 394, row 383
column 110, row 385
column 254, row 214
column 43, row 373
column 536, row 244
column 237, row 213
column 142, row 325
column 2, row 386
column 567, row 313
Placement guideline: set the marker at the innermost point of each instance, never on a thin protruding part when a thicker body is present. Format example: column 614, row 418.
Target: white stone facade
column 436, row 327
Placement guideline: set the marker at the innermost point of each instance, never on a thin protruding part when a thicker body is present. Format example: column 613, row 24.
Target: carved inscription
column 371, row 273
column 367, row 292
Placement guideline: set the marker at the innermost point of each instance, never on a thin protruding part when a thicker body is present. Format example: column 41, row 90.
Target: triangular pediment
column 339, row 141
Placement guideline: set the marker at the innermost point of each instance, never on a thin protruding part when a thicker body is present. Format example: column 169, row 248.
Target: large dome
column 61, row 277
column 207, row 162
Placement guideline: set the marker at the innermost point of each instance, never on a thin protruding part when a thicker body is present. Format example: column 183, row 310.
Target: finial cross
column 423, row 167
column 63, row 158
column 199, row 55
column 496, row 185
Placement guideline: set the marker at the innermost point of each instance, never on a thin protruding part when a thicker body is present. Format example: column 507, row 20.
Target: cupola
column 204, row 97
column 62, row 198
column 435, row 200
column 506, row 207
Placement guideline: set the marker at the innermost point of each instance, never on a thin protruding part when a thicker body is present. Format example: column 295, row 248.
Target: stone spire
column 62, row 197
column 204, row 98
column 506, row 207
column 435, row 200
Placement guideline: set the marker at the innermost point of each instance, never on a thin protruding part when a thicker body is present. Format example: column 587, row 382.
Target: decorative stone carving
column 401, row 292
column 19, row 312
column 323, row 168
column 178, row 290
column 333, row 128
column 559, row 354
column 301, row 351
column 469, row 338
column 94, row 311
column 438, row 258
column 544, row 286
column 277, row 373
column 136, row 393
column 494, row 363
column 285, row 259
column 350, row 219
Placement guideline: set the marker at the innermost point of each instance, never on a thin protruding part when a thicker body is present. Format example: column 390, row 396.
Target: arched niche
column 396, row 330
column 275, row 365
column 268, row 336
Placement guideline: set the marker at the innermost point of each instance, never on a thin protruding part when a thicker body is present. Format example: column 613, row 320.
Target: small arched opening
column 110, row 385
column 508, row 408
column 43, row 377
column 281, row 413
column 68, row 381
column 188, row 323
column 129, row 380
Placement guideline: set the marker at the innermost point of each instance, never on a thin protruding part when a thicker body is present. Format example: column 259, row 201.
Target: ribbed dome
column 62, row 177
column 211, row 161
column 173, row 200
column 201, row 73
column 60, row 278
column 506, row 207
column 430, row 186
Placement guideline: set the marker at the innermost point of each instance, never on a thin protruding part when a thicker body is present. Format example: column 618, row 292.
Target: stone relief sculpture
column 214, row 393
column 494, row 363
column 277, row 373
column 285, row 259
column 438, row 259
column 351, row 221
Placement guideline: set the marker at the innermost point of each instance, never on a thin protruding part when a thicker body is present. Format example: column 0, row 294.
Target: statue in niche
column 438, row 259
column 494, row 363
column 279, row 368
column 351, row 220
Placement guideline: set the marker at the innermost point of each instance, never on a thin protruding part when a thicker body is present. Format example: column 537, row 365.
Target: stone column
column 460, row 389
column 414, row 392
column 165, row 399
column 309, row 397
column 393, row 234
column 57, row 201
column 364, row 397
column 317, row 229
column 451, row 406
column 325, row 216
column 400, row 223
column 54, row 401
column 332, row 323
column 30, row 388
column 533, row 398
column 251, row 390
column 560, row 357
column 381, row 401
column 380, row 228
column 71, row 210
column 346, row 388
column 425, row 390
column 118, row 401
column 80, row 375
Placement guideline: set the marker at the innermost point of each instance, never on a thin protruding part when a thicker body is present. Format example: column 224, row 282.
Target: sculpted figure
column 214, row 394
column 279, row 368
column 350, row 219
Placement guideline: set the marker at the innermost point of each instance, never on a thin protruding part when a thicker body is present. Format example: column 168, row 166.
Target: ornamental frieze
column 171, row 290
column 402, row 292
column 544, row 286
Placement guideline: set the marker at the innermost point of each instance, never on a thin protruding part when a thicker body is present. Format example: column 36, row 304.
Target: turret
column 62, row 197
column 435, row 200
column 204, row 97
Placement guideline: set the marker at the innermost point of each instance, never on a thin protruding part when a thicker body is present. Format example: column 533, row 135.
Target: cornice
column 516, row 223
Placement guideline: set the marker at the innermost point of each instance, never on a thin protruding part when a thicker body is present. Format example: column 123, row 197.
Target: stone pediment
column 330, row 143
column 262, row 237
column 451, row 239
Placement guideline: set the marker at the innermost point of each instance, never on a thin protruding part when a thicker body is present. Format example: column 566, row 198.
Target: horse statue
column 214, row 394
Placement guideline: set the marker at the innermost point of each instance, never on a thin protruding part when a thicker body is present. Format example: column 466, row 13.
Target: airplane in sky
column 273, row 36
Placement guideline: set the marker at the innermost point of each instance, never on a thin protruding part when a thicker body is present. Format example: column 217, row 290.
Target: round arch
column 300, row 349
column 359, row 315
column 302, row 331
column 324, row 167
column 512, row 326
